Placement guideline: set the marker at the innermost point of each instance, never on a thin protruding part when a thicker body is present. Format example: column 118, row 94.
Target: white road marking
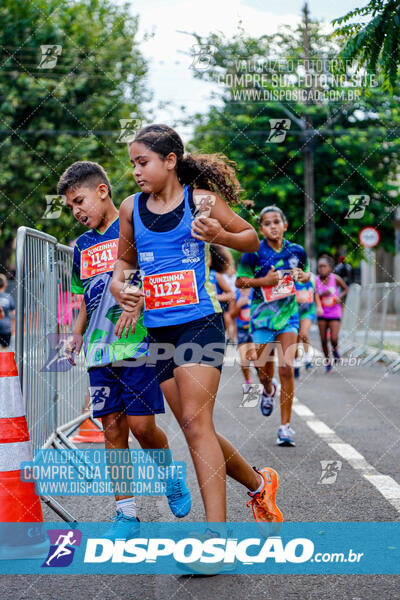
column 386, row 485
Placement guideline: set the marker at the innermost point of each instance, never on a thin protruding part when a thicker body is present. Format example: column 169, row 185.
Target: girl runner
column 271, row 271
column 309, row 307
column 160, row 234
column 326, row 286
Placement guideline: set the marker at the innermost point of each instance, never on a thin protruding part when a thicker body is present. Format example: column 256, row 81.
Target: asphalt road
column 360, row 405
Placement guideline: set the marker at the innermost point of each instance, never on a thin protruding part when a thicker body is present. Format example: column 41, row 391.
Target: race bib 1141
column 99, row 258
column 169, row 290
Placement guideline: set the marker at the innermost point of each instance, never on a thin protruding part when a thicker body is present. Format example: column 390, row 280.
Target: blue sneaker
column 285, row 436
column 123, row 528
column 267, row 402
column 297, row 372
column 309, row 365
column 178, row 495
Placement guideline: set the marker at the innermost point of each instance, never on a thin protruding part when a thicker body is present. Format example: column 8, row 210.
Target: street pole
column 309, row 209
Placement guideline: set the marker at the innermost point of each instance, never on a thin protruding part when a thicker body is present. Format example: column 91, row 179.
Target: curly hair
column 213, row 172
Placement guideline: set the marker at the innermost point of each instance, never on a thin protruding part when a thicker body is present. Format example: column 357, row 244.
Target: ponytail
column 212, row 172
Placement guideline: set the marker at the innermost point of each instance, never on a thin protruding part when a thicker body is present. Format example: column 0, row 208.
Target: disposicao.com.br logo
column 213, row 550
column 234, row 547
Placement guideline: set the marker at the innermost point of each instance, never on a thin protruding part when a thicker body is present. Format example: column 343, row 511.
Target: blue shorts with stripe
column 128, row 388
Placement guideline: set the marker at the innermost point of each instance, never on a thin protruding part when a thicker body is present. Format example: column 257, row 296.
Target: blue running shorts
column 132, row 390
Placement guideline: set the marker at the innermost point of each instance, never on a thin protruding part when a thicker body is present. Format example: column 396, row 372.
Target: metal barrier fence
column 72, row 384
column 348, row 330
column 36, row 315
column 54, row 392
column 371, row 324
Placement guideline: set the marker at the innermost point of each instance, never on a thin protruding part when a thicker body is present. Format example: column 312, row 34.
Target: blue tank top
column 173, row 253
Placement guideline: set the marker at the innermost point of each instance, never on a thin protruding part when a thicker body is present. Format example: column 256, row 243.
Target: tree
column 54, row 115
column 374, row 42
column 355, row 139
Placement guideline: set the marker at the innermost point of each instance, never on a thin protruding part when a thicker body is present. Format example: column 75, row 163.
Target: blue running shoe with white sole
column 285, row 436
column 123, row 528
column 267, row 401
column 178, row 496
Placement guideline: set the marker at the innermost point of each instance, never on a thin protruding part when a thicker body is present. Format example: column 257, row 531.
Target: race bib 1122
column 169, row 290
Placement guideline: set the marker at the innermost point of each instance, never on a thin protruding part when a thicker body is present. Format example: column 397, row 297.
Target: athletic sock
column 258, row 490
column 127, row 507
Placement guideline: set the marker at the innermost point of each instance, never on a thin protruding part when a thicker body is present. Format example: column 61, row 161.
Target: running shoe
column 285, row 436
column 267, row 401
column 328, row 368
column 309, row 365
column 336, row 356
column 178, row 496
column 208, row 569
column 123, row 528
column 263, row 503
column 297, row 372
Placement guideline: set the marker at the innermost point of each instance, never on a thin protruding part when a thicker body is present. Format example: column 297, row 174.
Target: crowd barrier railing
column 371, row 324
column 54, row 392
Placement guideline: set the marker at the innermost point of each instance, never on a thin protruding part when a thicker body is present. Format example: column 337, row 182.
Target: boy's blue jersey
column 94, row 258
column 279, row 313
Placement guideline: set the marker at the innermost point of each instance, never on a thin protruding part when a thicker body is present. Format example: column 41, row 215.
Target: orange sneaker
column 263, row 503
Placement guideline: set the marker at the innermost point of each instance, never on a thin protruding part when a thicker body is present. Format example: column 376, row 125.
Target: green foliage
column 53, row 117
column 374, row 44
column 356, row 143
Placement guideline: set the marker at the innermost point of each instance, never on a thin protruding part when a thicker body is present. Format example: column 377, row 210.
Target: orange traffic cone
column 88, row 432
column 18, row 500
